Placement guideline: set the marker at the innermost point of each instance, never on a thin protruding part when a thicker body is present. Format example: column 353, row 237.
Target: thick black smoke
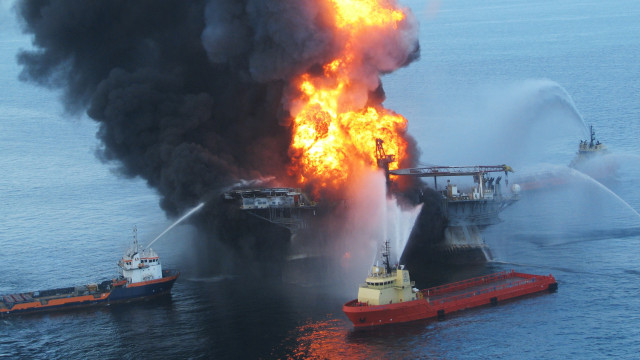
column 188, row 94
column 166, row 112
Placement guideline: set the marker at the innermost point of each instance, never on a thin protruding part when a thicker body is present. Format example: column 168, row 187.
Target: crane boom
column 451, row 170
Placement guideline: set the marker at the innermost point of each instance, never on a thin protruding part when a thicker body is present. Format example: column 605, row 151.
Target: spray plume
column 183, row 218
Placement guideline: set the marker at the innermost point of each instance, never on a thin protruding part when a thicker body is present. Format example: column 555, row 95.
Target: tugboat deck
column 477, row 286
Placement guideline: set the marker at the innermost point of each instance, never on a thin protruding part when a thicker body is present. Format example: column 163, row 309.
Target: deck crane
column 477, row 171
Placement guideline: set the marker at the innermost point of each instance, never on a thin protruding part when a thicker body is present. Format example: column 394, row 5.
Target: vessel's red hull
column 445, row 299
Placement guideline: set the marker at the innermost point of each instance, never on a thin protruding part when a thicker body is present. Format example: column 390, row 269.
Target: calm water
column 491, row 87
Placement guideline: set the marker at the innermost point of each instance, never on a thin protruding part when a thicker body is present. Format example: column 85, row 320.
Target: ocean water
column 498, row 82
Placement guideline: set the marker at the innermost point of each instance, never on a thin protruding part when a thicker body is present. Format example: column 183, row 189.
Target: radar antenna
column 135, row 239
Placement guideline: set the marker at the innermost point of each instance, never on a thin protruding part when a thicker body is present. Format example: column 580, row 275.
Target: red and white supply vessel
column 389, row 295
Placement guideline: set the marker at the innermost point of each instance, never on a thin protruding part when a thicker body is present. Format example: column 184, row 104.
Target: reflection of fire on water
column 324, row 340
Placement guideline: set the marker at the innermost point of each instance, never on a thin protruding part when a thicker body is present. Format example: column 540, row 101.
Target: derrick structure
column 383, row 160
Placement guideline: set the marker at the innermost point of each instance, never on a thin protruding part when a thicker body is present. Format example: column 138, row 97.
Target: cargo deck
column 436, row 302
column 477, row 286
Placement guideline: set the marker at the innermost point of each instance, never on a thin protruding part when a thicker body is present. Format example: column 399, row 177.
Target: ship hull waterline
column 120, row 293
column 438, row 301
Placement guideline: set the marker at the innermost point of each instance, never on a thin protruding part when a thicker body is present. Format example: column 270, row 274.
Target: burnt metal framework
column 383, row 160
column 291, row 219
column 286, row 207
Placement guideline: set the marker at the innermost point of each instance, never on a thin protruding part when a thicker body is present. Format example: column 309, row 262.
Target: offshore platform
column 285, row 207
column 448, row 229
column 280, row 224
column 480, row 204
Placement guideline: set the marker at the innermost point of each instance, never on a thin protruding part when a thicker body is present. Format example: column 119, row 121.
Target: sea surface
column 513, row 82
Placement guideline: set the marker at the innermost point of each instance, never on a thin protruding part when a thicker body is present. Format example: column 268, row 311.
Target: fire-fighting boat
column 389, row 295
column 588, row 149
column 140, row 277
column 590, row 160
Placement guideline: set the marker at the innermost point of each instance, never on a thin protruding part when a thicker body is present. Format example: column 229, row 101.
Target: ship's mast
column 386, row 253
column 593, row 135
column 135, row 238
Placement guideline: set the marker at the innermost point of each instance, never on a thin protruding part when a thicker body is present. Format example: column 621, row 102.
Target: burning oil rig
column 285, row 207
column 448, row 229
column 279, row 221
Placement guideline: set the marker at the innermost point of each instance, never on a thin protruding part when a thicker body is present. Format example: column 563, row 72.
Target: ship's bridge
column 379, row 277
column 138, row 264
column 386, row 288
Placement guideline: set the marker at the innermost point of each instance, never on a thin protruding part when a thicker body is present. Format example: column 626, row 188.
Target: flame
column 365, row 13
column 334, row 130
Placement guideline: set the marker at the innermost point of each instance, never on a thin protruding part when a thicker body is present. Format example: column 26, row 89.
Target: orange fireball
column 335, row 126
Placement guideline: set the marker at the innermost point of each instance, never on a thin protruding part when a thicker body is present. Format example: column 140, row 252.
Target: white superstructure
column 387, row 288
column 385, row 285
column 138, row 264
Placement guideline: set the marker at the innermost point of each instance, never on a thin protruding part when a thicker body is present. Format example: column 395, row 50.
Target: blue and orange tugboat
column 389, row 295
column 140, row 277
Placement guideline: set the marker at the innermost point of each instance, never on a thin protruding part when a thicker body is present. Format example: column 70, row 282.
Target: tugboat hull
column 108, row 292
column 438, row 301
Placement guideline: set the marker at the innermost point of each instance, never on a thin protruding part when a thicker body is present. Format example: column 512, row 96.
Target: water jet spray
column 185, row 216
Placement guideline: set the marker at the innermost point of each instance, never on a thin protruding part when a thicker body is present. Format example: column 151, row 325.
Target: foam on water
column 486, row 253
column 209, row 279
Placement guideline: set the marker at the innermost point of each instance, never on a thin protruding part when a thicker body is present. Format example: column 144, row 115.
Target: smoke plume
column 192, row 96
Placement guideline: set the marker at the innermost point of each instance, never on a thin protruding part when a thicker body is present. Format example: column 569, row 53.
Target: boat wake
column 632, row 272
column 576, row 237
column 211, row 279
